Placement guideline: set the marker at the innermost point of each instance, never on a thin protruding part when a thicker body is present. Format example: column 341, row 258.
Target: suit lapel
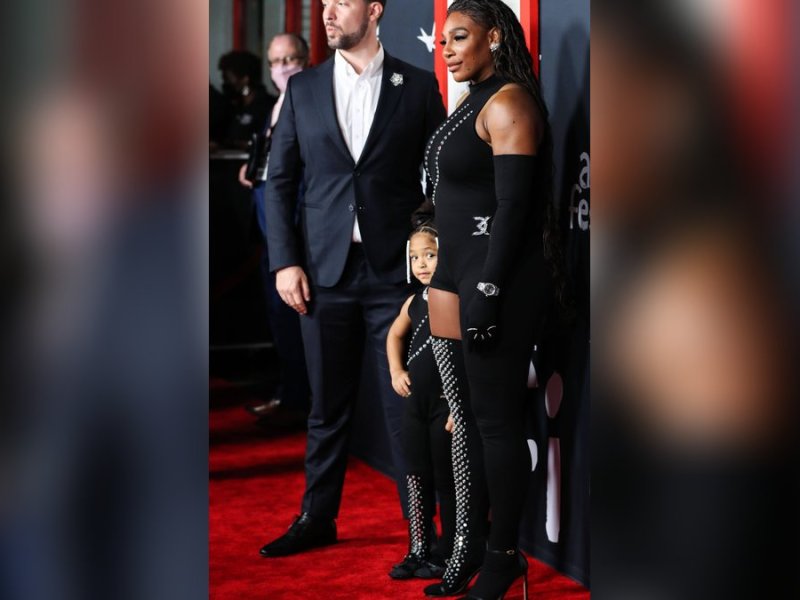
column 327, row 106
column 391, row 92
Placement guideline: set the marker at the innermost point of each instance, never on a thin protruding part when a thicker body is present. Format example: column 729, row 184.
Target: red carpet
column 256, row 482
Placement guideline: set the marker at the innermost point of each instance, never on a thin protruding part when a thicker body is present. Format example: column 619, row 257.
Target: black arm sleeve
column 518, row 214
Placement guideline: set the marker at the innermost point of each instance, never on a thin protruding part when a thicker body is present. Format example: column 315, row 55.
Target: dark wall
column 556, row 527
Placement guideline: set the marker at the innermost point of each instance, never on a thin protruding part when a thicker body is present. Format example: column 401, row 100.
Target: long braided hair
column 513, row 63
column 512, row 59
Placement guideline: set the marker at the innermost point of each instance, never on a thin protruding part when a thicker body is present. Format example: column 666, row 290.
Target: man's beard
column 350, row 40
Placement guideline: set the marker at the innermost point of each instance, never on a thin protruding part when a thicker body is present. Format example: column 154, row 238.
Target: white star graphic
column 428, row 40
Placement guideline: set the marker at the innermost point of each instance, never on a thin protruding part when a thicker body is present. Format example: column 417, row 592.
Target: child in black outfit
column 426, row 439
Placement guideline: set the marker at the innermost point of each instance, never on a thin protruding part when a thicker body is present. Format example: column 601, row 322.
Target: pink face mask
column 280, row 75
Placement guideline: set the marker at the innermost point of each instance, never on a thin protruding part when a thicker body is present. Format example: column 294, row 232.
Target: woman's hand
column 401, row 383
column 450, row 425
column 481, row 322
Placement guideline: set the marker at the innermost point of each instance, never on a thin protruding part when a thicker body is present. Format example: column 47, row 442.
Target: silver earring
column 494, row 46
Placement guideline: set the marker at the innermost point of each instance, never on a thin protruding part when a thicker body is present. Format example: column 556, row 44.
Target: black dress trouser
column 359, row 309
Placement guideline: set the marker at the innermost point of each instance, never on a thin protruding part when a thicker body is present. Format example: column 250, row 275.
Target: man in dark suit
column 353, row 131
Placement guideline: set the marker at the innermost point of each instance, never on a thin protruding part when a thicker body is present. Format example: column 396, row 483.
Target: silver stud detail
column 443, row 352
column 416, row 518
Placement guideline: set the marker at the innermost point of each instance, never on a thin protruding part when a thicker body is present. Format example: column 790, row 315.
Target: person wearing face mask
column 251, row 103
column 287, row 54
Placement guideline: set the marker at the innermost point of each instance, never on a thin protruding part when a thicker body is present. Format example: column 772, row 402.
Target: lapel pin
column 396, row 79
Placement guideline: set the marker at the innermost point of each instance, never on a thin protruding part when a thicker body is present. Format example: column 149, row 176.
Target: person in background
column 250, row 101
column 287, row 55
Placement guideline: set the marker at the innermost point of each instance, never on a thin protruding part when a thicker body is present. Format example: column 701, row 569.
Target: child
column 426, row 443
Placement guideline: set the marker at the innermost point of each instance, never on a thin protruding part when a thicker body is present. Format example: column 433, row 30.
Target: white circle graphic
column 534, row 454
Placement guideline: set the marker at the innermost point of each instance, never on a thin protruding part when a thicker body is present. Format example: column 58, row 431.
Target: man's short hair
column 299, row 41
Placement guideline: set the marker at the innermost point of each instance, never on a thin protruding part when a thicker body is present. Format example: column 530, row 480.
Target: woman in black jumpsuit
column 490, row 164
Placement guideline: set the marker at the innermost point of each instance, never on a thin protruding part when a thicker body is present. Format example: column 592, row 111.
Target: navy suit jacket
column 383, row 187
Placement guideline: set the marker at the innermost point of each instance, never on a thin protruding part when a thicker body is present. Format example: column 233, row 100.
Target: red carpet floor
column 256, row 482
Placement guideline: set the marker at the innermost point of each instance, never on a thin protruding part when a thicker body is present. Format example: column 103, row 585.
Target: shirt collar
column 373, row 67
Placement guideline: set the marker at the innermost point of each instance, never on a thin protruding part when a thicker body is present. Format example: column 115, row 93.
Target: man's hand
column 246, row 183
column 292, row 286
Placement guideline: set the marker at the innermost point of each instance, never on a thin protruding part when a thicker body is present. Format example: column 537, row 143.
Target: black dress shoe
column 304, row 534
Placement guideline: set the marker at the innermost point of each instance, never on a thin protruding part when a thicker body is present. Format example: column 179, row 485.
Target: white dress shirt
column 356, row 98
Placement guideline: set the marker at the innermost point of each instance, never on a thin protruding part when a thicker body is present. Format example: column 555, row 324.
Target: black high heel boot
column 470, row 498
column 501, row 569
column 462, row 568
column 418, row 562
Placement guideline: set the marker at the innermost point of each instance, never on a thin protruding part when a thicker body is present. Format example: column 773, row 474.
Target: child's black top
column 420, row 362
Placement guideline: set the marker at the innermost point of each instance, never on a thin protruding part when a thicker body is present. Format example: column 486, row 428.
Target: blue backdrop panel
column 403, row 23
column 556, row 527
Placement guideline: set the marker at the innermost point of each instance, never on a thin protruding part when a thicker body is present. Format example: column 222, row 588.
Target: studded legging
column 467, row 459
column 426, row 442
